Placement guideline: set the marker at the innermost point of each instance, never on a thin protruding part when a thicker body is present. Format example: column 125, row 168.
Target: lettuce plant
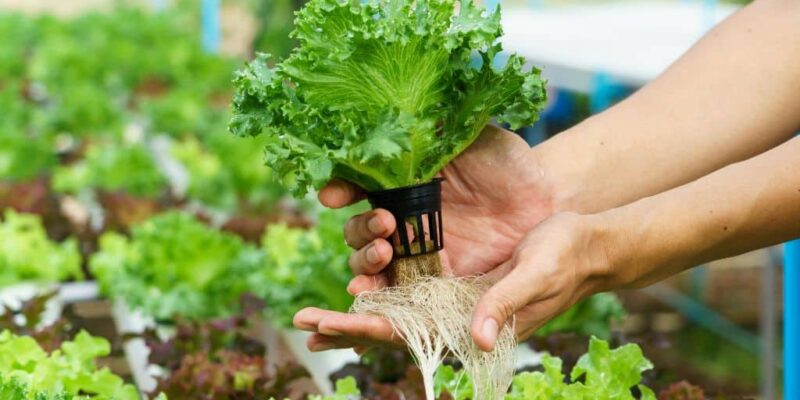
column 23, row 157
column 590, row 316
column 27, row 254
column 217, row 359
column 221, row 175
column 113, row 166
column 308, row 268
column 96, row 96
column 346, row 389
column 27, row 372
column 383, row 93
column 601, row 373
column 174, row 265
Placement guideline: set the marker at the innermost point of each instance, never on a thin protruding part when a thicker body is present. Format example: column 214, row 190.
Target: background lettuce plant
column 27, row 372
column 27, row 254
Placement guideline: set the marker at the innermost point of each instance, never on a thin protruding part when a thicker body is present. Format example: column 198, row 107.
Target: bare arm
column 741, row 207
column 733, row 95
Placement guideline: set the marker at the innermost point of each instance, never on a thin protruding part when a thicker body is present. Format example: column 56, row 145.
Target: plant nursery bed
column 282, row 349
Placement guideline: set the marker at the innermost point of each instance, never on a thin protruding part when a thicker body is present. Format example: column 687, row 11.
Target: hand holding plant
column 485, row 224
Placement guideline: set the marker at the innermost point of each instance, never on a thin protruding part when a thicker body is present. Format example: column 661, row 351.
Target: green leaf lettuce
column 382, row 93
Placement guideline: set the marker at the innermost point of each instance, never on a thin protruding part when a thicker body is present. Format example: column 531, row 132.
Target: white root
column 433, row 316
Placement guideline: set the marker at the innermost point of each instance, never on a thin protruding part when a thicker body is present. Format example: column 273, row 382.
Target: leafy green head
column 383, row 93
column 28, row 372
column 27, row 254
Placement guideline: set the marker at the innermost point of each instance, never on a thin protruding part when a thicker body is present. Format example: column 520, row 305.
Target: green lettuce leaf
column 601, row 373
column 224, row 174
column 455, row 383
column 383, row 93
column 346, row 389
column 26, row 253
column 27, row 372
column 23, row 157
column 173, row 265
column 113, row 167
column 591, row 316
column 308, row 268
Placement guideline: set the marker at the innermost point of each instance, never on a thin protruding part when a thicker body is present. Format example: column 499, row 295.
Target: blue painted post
column 211, row 30
column 791, row 320
column 606, row 90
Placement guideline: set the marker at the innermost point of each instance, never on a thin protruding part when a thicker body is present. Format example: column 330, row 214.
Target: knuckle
column 372, row 269
column 351, row 224
column 355, row 263
column 348, row 232
column 504, row 304
column 354, row 232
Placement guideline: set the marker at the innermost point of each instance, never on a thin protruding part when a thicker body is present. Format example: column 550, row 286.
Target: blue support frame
column 791, row 322
column 211, row 29
column 606, row 92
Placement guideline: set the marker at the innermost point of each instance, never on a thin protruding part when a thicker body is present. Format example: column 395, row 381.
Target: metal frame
column 211, row 27
column 791, row 325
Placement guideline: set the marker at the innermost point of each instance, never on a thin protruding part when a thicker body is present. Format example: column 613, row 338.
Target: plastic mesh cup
column 418, row 212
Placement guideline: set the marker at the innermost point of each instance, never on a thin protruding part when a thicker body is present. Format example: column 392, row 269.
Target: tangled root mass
column 433, row 315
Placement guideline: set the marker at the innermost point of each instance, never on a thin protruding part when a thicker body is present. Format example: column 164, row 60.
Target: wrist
column 567, row 168
column 640, row 245
column 611, row 242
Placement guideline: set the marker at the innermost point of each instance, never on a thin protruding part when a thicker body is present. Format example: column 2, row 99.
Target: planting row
column 223, row 358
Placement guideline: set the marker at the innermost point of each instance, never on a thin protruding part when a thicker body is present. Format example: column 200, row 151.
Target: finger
column 308, row 318
column 498, row 273
column 359, row 327
column 372, row 258
column 366, row 283
column 360, row 349
column 366, row 227
column 497, row 305
column 338, row 193
column 319, row 342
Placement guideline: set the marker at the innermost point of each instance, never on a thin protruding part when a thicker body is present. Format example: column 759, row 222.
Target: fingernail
column 372, row 254
column 330, row 332
column 350, row 288
column 375, row 225
column 322, row 347
column 490, row 330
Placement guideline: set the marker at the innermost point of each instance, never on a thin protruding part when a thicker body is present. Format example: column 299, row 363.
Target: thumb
column 497, row 306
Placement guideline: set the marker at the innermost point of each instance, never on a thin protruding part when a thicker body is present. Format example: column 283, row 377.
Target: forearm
column 744, row 206
column 732, row 96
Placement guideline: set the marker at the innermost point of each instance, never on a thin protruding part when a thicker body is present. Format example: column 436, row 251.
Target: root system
column 433, row 315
